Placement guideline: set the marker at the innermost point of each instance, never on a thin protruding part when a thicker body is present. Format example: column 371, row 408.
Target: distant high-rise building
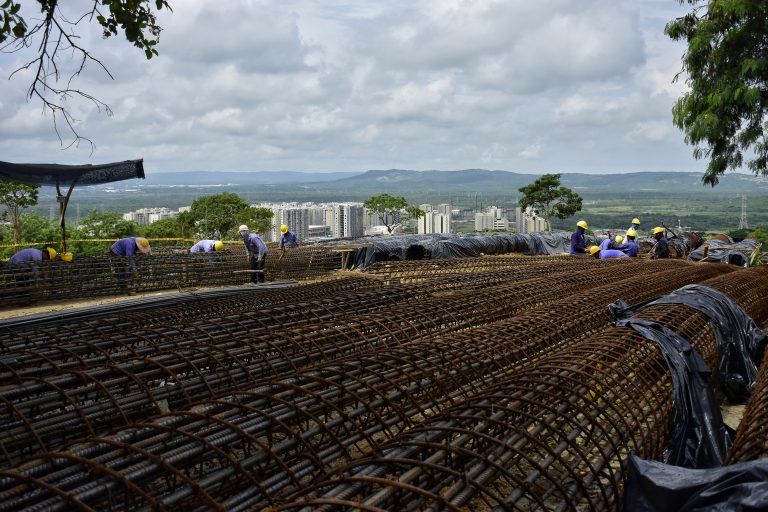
column 144, row 216
column 348, row 220
column 433, row 220
column 493, row 219
column 297, row 220
column 528, row 222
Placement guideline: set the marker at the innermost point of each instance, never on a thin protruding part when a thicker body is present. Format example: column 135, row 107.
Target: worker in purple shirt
column 661, row 247
column 287, row 239
column 630, row 244
column 605, row 254
column 256, row 253
column 31, row 254
column 123, row 251
column 207, row 246
column 578, row 242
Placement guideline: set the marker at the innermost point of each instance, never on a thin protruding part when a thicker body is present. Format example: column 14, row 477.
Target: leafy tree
column 218, row 216
column 392, row 211
column 105, row 226
column 54, row 36
column 548, row 199
column 15, row 197
column 36, row 228
column 164, row 228
column 724, row 113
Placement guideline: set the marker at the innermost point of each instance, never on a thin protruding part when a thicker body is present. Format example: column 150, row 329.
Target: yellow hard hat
column 619, row 239
column 218, row 245
column 636, row 221
column 593, row 249
column 51, row 252
column 283, row 229
column 658, row 229
column 582, row 224
column 67, row 256
column 631, row 232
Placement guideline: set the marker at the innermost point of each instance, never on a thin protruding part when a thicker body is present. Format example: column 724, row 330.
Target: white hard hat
column 243, row 228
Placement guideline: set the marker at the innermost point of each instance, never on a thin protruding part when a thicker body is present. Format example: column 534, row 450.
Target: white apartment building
column 346, row 219
column 144, row 216
column 493, row 219
column 434, row 220
column 528, row 222
column 297, row 219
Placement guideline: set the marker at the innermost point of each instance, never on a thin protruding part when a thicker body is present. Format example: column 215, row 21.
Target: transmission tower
column 743, row 220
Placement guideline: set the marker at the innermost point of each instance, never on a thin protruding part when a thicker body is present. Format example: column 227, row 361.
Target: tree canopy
column 218, row 216
column 54, row 34
column 15, row 197
column 548, row 199
column 726, row 63
column 392, row 210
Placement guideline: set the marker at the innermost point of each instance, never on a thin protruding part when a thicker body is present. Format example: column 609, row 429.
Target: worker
column 578, row 242
column 287, row 239
column 256, row 253
column 612, row 243
column 630, row 244
column 635, row 224
column 605, row 254
column 123, row 251
column 207, row 246
column 31, row 255
column 660, row 249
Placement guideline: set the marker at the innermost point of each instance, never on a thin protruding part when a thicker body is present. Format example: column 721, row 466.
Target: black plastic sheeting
column 698, row 436
column 439, row 246
column 656, row 487
column 56, row 174
column 737, row 253
column 740, row 342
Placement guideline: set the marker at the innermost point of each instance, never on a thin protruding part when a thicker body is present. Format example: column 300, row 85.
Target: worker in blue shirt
column 578, row 242
column 207, row 246
column 630, row 244
column 31, row 254
column 635, row 225
column 605, row 254
column 256, row 252
column 123, row 251
column 287, row 239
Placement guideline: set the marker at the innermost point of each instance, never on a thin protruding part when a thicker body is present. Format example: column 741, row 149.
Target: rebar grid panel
column 220, row 359
column 166, row 268
column 264, row 411
column 552, row 437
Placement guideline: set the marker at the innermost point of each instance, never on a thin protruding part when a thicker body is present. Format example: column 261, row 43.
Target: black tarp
column 698, row 436
column 65, row 175
column 737, row 253
column 740, row 342
column 452, row 245
column 657, row 487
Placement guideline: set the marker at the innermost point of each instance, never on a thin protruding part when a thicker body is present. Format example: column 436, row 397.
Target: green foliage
column 392, row 210
column 548, row 199
column 36, row 228
column 218, row 217
column 105, row 225
column 723, row 115
column 15, row 197
column 164, row 228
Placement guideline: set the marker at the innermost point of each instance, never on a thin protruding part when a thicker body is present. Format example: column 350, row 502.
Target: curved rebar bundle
column 554, row 437
column 252, row 446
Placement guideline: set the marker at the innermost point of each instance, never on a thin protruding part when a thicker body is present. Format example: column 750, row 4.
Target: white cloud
column 353, row 85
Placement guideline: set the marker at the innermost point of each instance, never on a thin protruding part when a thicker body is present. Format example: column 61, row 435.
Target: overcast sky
column 343, row 85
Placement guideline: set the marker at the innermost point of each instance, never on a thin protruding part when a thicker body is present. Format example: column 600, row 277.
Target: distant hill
column 403, row 182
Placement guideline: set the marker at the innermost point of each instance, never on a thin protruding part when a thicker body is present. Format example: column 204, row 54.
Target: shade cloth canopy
column 63, row 175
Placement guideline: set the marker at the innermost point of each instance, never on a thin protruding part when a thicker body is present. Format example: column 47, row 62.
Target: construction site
column 474, row 373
